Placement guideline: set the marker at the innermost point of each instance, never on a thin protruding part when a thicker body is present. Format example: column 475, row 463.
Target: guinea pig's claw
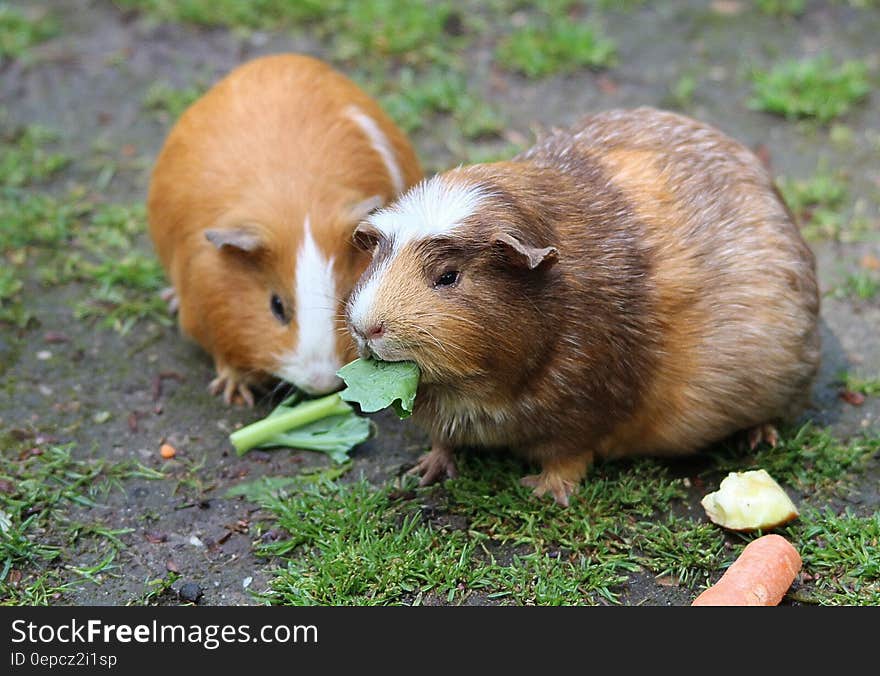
column 169, row 295
column 542, row 484
column 245, row 393
column 233, row 391
column 766, row 433
column 434, row 466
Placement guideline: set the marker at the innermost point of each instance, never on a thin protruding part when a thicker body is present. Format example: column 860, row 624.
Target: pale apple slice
column 748, row 501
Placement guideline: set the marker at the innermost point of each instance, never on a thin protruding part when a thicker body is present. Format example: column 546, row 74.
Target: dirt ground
column 89, row 83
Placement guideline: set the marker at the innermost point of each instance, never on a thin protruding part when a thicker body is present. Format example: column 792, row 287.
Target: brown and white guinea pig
column 252, row 204
column 632, row 285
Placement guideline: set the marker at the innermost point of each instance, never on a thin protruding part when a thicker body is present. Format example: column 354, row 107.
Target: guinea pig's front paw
column 233, row 386
column 169, row 295
column 435, row 465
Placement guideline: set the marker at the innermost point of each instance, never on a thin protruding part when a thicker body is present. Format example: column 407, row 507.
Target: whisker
column 458, row 318
column 320, row 307
column 432, row 337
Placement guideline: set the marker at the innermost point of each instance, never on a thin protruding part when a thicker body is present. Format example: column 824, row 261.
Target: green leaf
column 378, row 384
column 335, row 436
column 327, row 425
column 263, row 488
column 268, row 488
column 285, row 418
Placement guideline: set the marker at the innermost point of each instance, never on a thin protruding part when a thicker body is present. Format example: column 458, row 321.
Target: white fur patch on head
column 380, row 144
column 361, row 306
column 313, row 364
column 430, row 209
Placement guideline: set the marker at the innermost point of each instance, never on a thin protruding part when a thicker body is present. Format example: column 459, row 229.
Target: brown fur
column 268, row 145
column 682, row 308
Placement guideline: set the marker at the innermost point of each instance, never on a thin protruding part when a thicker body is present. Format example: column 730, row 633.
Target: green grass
column 124, row 282
column 356, row 544
column 823, row 190
column 859, row 285
column 476, row 153
column 841, row 551
column 381, row 28
column 20, row 31
column 809, row 458
column 168, row 102
column 867, row 386
column 27, row 217
column 48, row 239
column 53, row 240
column 44, row 550
column 9, row 285
column 483, row 536
column 417, row 96
column 414, row 32
column 810, row 88
column 31, row 219
column 364, row 549
column 781, row 8
column 558, row 45
column 681, row 548
column 27, row 156
column 156, row 590
column 819, row 202
column 681, row 94
column 264, row 14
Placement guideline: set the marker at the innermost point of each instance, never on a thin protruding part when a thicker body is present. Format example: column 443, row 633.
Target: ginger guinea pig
column 633, row 285
column 252, row 204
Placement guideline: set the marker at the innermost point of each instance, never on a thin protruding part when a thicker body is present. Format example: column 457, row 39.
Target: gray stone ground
column 90, row 83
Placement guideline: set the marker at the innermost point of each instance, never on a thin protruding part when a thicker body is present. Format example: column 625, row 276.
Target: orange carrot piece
column 759, row 577
column 167, row 451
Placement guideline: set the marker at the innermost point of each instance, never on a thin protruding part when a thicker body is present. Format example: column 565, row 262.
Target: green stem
column 301, row 414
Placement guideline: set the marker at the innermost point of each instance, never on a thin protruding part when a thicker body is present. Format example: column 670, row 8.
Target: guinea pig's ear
column 523, row 255
column 360, row 210
column 365, row 237
column 244, row 238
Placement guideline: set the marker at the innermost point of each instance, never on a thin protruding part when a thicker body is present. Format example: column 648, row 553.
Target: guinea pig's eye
column 365, row 238
column 277, row 307
column 448, row 278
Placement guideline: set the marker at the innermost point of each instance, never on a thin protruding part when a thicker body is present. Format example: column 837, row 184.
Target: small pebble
column 247, row 582
column 190, row 592
column 717, row 73
column 167, row 451
column 55, row 337
column 43, row 355
column 195, row 542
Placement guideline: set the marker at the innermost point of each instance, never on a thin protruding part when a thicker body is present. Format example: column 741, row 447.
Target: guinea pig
column 252, row 203
column 633, row 285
